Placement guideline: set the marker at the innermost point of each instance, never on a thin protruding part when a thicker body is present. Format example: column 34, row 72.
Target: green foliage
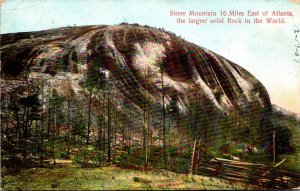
column 65, row 62
column 75, row 67
column 132, row 158
column 30, row 101
column 171, row 151
column 78, row 125
column 172, row 108
column 201, row 114
column 63, row 155
column 22, row 109
column 123, row 159
column 181, row 164
column 74, row 57
column 101, row 157
column 86, row 156
column 96, row 79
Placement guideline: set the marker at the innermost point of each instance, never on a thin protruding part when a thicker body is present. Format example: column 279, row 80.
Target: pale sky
column 265, row 50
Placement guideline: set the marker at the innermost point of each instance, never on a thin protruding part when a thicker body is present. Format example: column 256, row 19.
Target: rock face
column 136, row 60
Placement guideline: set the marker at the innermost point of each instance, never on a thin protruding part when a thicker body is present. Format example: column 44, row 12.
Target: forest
column 40, row 127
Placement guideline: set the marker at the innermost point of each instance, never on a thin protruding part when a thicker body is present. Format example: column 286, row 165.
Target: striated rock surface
column 135, row 60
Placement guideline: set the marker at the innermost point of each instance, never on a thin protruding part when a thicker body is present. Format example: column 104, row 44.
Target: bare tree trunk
column 123, row 137
column 129, row 142
column 274, row 147
column 49, row 120
column 108, row 127
column 42, row 129
column 54, row 135
column 145, row 136
column 100, row 136
column 70, row 126
column 146, row 120
column 164, row 116
column 99, row 130
column 89, row 117
column 115, row 144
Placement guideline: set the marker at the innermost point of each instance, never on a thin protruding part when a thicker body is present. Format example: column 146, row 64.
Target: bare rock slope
column 137, row 61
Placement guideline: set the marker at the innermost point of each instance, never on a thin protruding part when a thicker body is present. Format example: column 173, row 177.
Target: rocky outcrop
column 135, row 60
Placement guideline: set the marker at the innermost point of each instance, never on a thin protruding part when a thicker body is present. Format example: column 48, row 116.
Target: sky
column 265, row 50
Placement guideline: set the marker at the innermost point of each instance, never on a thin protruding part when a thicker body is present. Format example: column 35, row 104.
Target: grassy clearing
column 110, row 178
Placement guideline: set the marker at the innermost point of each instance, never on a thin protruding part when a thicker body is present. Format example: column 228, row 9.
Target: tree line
column 40, row 125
